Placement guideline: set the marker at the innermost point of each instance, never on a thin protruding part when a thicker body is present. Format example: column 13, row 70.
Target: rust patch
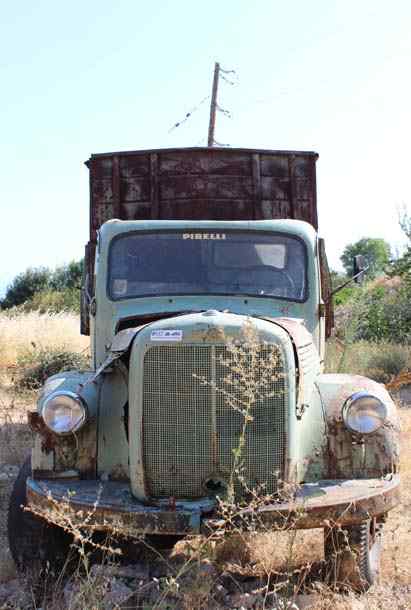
column 111, row 507
column 213, row 334
column 37, row 425
column 313, row 505
column 350, row 455
column 86, row 452
column 202, row 184
column 65, row 453
column 299, row 334
column 119, row 473
column 71, row 452
column 69, row 475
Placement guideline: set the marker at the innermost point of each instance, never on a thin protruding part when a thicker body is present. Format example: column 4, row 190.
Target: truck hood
column 208, row 324
column 294, row 327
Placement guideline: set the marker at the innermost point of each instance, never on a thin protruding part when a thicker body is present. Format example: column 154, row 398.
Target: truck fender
column 350, row 455
column 74, row 453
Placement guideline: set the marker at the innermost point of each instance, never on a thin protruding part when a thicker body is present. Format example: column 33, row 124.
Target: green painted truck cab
column 148, row 447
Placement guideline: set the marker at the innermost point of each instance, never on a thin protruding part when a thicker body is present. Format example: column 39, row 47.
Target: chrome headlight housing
column 64, row 412
column 364, row 413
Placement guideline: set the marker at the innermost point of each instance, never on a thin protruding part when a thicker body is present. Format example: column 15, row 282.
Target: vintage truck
column 187, row 246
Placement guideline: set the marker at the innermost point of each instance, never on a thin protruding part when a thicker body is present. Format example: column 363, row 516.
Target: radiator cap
column 211, row 312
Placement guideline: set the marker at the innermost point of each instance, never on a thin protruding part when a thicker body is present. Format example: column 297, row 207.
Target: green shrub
column 344, row 295
column 378, row 361
column 386, row 316
column 39, row 363
column 379, row 311
column 389, row 362
column 54, row 301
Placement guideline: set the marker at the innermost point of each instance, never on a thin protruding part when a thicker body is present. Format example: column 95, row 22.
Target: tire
column 353, row 555
column 34, row 543
column 162, row 543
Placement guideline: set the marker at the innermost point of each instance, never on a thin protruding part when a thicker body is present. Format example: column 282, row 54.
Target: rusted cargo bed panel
column 202, row 184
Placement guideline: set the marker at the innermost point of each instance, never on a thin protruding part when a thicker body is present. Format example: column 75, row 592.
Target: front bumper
column 110, row 506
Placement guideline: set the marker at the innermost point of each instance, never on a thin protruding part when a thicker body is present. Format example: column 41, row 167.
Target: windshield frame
column 208, row 294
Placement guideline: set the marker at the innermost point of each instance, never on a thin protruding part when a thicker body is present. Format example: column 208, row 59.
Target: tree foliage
column 402, row 266
column 67, row 276
column 377, row 254
column 28, row 285
column 25, row 286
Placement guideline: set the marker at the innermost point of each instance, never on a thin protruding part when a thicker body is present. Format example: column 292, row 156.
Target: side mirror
column 360, row 265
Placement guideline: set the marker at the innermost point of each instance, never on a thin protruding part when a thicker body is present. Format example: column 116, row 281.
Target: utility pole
column 213, row 105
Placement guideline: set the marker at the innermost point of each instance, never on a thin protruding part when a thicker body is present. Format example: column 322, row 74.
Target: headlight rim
column 348, row 404
column 78, row 399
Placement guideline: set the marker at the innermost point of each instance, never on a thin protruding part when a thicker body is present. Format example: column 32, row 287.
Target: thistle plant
column 251, row 368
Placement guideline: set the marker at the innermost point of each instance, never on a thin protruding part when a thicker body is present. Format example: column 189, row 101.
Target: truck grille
column 189, row 431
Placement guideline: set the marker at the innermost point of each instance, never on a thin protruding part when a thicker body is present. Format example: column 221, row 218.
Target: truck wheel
column 33, row 542
column 353, row 554
column 162, row 543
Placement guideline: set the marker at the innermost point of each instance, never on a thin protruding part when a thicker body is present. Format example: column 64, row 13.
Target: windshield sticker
column 204, row 236
column 166, row 335
column 119, row 287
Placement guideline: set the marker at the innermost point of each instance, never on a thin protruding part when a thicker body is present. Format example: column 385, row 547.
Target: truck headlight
column 64, row 412
column 363, row 413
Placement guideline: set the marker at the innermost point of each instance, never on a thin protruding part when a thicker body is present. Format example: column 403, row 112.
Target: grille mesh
column 180, row 416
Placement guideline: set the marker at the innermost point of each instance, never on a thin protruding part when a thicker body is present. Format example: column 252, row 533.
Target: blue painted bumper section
column 111, row 505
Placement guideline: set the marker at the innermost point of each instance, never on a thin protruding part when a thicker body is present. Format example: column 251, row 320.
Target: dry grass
column 20, row 335
column 19, row 332
column 396, row 564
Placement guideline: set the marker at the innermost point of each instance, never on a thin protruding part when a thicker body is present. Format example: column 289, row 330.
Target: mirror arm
column 352, row 279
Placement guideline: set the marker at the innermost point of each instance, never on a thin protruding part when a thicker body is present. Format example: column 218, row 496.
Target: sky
column 88, row 77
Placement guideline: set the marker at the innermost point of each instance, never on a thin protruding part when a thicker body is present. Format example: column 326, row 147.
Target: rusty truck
column 186, row 247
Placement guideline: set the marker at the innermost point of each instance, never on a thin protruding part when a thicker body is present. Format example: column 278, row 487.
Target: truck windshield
column 234, row 263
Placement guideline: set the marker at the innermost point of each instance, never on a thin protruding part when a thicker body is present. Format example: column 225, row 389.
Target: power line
column 235, row 78
column 214, row 106
column 188, row 114
column 226, row 113
column 220, row 144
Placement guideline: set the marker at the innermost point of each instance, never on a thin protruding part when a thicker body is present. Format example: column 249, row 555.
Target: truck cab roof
column 298, row 228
